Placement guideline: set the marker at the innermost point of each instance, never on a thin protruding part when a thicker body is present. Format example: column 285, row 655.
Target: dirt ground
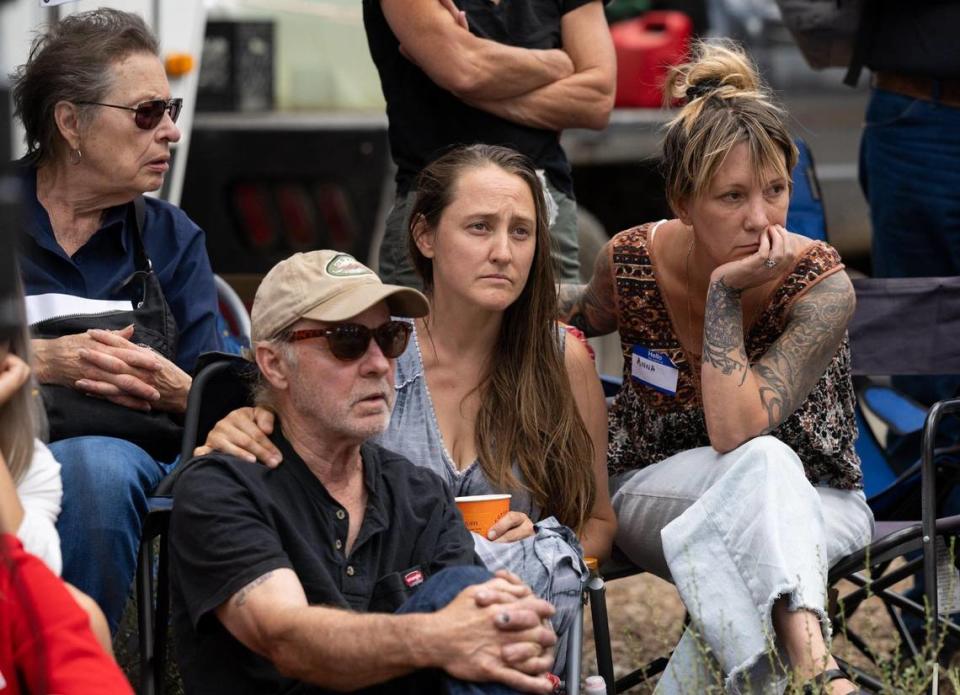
column 646, row 617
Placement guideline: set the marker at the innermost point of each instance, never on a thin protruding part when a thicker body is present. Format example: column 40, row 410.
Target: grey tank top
column 414, row 432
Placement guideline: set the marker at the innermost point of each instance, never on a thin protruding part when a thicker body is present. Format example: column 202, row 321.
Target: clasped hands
column 508, row 640
column 107, row 365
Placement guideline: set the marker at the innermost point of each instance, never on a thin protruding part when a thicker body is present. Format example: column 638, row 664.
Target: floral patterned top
column 647, row 426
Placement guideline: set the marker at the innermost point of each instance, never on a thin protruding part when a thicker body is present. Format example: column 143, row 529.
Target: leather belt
column 945, row 92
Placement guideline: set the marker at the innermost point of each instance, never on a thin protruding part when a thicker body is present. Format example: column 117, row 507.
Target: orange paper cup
column 480, row 512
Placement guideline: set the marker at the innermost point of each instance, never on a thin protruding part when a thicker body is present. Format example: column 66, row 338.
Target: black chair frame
column 228, row 372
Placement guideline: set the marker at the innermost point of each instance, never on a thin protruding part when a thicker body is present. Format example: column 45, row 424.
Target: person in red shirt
column 46, row 644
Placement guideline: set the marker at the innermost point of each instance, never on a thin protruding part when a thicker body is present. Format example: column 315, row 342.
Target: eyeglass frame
column 173, row 107
column 293, row 336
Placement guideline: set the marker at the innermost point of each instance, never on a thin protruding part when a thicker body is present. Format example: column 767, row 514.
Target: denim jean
column 436, row 593
column 106, row 483
column 735, row 532
column 910, row 174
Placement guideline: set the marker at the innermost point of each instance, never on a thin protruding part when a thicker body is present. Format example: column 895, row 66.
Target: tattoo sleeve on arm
column 591, row 308
column 794, row 364
column 723, row 330
column 240, row 597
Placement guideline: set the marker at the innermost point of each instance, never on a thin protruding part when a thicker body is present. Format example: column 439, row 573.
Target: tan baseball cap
column 325, row 286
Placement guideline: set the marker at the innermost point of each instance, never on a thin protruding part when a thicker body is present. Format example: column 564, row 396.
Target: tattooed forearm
column 569, row 298
column 240, row 597
column 591, row 307
column 723, row 330
column 792, row 366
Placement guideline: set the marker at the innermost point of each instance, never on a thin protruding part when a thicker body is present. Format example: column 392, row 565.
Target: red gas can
column 646, row 46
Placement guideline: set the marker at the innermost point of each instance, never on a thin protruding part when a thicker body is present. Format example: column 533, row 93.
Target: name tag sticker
column 654, row 369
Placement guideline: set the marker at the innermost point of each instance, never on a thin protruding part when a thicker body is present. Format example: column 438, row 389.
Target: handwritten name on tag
column 654, row 369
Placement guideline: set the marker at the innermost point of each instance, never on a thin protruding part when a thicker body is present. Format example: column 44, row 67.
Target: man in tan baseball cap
column 347, row 567
column 325, row 286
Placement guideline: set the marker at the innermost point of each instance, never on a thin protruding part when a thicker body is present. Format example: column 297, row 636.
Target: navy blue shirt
column 174, row 244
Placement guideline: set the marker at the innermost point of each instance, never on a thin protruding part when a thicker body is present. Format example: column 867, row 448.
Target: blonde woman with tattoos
column 731, row 450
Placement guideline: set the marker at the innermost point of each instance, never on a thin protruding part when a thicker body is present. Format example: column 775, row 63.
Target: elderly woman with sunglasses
column 120, row 295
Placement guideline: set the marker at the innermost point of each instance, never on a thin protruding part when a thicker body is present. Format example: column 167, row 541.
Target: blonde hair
column 528, row 414
column 726, row 104
column 22, row 417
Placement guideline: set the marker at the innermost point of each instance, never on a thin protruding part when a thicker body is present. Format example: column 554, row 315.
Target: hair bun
column 702, row 88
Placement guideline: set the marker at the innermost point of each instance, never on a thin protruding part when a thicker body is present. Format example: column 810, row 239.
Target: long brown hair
column 726, row 104
column 527, row 415
column 21, row 417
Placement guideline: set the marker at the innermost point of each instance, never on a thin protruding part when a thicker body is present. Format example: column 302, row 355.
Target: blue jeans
column 436, row 593
column 106, row 482
column 910, row 174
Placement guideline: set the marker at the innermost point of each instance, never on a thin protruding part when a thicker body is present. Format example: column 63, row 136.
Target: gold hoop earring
column 75, row 156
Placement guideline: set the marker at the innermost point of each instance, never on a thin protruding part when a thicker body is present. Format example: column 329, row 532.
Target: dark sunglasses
column 349, row 341
column 148, row 114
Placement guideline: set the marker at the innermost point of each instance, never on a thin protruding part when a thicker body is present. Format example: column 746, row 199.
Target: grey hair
column 262, row 390
column 72, row 61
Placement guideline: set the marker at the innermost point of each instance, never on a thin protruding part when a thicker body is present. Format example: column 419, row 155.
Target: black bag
column 825, row 30
column 72, row 413
column 829, row 33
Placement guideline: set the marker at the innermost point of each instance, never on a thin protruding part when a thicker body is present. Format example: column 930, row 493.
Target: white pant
column 734, row 532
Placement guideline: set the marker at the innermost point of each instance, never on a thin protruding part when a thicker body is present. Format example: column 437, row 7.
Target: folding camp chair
column 233, row 322
column 225, row 374
column 901, row 326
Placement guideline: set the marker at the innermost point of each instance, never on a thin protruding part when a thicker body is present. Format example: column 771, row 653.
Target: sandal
column 814, row 686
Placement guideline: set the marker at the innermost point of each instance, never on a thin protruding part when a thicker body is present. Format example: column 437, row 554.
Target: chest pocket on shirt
column 392, row 590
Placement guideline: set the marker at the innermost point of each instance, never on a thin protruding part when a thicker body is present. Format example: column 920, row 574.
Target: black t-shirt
column 914, row 37
column 234, row 521
column 425, row 119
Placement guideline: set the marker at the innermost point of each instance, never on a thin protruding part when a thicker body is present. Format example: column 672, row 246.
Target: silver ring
column 770, row 263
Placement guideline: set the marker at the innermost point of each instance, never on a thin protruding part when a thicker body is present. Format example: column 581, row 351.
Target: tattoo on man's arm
column 793, row 365
column 723, row 330
column 240, row 597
